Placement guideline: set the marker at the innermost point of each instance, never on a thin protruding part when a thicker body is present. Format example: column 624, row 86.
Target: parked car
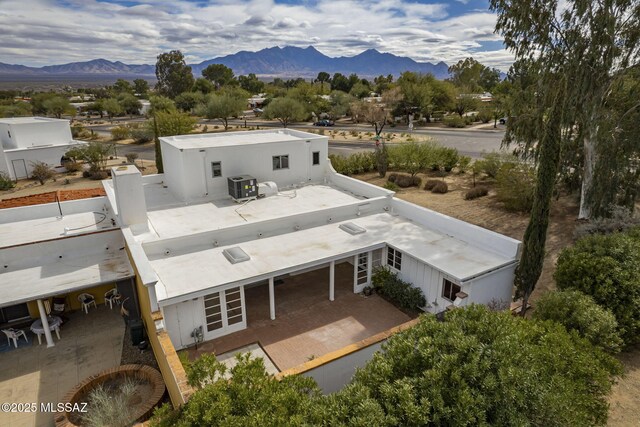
column 323, row 122
column 258, row 110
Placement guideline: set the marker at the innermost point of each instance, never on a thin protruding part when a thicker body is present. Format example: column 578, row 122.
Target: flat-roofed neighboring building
column 26, row 140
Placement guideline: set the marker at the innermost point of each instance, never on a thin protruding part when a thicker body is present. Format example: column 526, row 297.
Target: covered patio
column 90, row 344
column 307, row 323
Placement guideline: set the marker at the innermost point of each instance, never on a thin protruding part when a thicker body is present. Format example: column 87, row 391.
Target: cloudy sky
column 45, row 32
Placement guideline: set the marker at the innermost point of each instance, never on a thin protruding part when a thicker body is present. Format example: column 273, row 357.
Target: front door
column 19, row 169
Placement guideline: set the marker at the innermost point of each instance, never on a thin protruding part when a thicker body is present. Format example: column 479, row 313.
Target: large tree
column 251, row 83
column 222, row 107
column 141, row 87
column 219, row 74
column 474, row 76
column 285, row 110
column 566, row 58
column 174, row 75
column 57, row 106
column 322, row 78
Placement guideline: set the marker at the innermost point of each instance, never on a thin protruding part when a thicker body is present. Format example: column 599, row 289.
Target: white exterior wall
column 181, row 319
column 334, row 375
column 190, row 176
column 17, row 161
column 33, row 134
column 492, row 287
column 495, row 286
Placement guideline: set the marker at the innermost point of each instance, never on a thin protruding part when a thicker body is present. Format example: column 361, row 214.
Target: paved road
column 468, row 142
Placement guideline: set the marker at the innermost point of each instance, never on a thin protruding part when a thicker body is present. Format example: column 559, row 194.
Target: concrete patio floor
column 307, row 324
column 89, row 343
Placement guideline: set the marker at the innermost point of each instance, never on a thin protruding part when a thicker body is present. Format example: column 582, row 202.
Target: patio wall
column 173, row 372
column 334, row 370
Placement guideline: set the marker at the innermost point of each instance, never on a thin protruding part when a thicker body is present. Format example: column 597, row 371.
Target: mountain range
column 287, row 61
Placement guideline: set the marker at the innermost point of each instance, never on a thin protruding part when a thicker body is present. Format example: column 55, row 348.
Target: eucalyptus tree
column 568, row 54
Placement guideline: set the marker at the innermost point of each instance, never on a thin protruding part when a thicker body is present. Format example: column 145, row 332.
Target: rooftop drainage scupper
column 236, row 255
column 351, row 228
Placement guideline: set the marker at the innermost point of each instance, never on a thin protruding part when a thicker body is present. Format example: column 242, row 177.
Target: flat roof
column 51, row 228
column 210, row 140
column 63, row 276
column 179, row 220
column 23, row 120
column 189, row 274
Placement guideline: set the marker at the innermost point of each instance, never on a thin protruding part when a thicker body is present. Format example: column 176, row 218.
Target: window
column 449, row 290
column 281, row 162
column 216, row 169
column 394, row 258
column 316, row 158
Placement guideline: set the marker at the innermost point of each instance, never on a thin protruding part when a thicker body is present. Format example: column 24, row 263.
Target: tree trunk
column 587, row 174
column 530, row 267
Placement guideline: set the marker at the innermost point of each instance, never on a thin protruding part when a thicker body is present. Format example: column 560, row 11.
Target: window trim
column 452, row 283
column 396, row 257
column 313, row 158
column 213, row 171
column 280, row 157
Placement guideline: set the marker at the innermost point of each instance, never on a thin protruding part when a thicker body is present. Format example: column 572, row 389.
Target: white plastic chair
column 111, row 297
column 87, row 300
column 14, row 334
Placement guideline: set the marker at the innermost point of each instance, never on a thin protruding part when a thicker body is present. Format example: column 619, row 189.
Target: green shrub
column 469, row 120
column 97, row 175
column 72, row 166
column 119, row 132
column 447, row 157
column 621, row 219
column 391, row 186
column 515, row 186
column 491, row 162
column 430, row 184
column 476, row 192
column 440, row 187
column 77, row 131
column 401, row 293
column 5, row 182
column 392, row 177
column 606, row 267
column 41, row 172
column 354, row 164
column 463, row 163
column 405, row 181
column 579, row 312
column 131, row 157
column 454, row 121
column 141, row 134
column 484, row 116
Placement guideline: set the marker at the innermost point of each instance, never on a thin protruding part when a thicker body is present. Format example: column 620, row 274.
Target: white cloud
column 44, row 32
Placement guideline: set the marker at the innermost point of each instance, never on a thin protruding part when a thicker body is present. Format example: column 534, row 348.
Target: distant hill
column 271, row 62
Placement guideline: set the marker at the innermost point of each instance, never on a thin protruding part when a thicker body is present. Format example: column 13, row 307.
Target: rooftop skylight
column 236, row 255
column 351, row 228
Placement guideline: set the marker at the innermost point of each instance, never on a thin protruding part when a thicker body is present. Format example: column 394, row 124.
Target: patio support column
column 355, row 272
column 332, row 280
column 272, row 299
column 369, row 267
column 45, row 323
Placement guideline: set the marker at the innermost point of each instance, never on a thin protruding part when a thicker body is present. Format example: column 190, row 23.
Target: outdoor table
column 54, row 325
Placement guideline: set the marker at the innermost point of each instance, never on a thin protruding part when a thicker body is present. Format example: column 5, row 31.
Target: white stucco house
column 25, row 140
column 233, row 213
column 241, row 209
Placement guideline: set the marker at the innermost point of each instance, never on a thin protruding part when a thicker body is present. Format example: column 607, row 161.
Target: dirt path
column 487, row 212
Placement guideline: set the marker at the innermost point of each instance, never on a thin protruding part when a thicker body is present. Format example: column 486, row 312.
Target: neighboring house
column 26, row 140
column 234, row 212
